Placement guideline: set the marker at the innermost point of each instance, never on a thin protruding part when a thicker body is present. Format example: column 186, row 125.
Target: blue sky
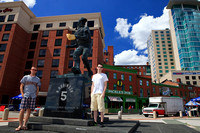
column 127, row 23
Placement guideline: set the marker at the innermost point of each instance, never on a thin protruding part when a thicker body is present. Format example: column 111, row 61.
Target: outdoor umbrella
column 18, row 97
column 196, row 99
column 191, row 103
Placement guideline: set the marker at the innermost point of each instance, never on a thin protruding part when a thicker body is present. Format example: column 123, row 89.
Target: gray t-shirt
column 30, row 85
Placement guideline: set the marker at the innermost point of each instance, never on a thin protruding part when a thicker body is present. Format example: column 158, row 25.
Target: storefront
column 115, row 99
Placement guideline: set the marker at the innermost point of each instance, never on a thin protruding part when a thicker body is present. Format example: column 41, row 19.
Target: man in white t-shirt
column 98, row 90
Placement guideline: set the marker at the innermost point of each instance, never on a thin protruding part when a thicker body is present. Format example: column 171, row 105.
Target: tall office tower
column 185, row 32
column 160, row 53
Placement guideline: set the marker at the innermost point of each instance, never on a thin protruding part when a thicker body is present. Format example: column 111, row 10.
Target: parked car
column 36, row 111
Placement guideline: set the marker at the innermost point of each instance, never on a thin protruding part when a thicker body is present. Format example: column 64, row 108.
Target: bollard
column 5, row 114
column 154, row 115
column 190, row 114
column 41, row 112
column 197, row 113
column 120, row 115
column 181, row 114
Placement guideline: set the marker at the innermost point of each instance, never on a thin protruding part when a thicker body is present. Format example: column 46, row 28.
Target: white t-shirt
column 99, row 80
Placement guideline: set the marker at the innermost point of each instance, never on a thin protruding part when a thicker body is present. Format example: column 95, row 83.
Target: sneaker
column 101, row 124
column 95, row 124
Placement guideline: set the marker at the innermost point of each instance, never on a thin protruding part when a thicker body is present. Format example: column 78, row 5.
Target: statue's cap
column 82, row 19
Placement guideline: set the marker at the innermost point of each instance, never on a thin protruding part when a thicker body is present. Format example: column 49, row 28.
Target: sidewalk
column 192, row 122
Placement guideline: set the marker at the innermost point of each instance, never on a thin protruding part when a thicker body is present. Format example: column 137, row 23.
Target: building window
column 154, row 90
column 147, row 83
column 44, row 43
column 114, row 76
column 1, row 58
column 92, row 32
column 63, row 24
column 56, row 52
column 194, row 82
column 71, row 53
column 5, row 37
column 34, row 36
column 45, row 33
column 172, row 67
column 55, row 63
column 39, row 73
column 1, row 26
column 58, row 42
column 42, row 53
column 122, row 77
column 49, row 25
column 130, row 88
column 160, row 91
column 148, row 93
column 28, row 65
column 141, row 92
column 193, row 77
column 73, row 42
column 2, row 18
column 32, row 45
column 107, row 73
column 11, row 18
column 75, row 24
column 140, row 82
column 59, row 33
column 36, row 27
column 140, row 73
column 114, row 87
column 40, row 63
column 30, row 54
column 187, row 77
column 8, row 27
column 3, row 47
column 188, row 82
column 130, row 78
column 70, row 64
column 90, row 23
column 54, row 73
column 90, row 63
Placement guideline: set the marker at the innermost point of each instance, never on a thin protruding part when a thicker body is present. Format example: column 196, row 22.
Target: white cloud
column 130, row 57
column 29, row 3
column 141, row 31
column 122, row 27
column 139, row 35
column 146, row 52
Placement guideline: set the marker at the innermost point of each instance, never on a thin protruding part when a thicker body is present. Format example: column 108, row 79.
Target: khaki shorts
column 97, row 102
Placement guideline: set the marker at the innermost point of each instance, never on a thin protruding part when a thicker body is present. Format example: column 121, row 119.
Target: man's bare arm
column 22, row 89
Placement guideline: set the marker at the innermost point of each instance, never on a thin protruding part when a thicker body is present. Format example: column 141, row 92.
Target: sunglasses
column 34, row 69
column 99, row 66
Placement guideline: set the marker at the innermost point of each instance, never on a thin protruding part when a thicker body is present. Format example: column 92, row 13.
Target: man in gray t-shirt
column 29, row 89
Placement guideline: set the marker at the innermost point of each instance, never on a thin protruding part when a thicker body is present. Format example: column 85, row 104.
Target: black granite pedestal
column 68, row 96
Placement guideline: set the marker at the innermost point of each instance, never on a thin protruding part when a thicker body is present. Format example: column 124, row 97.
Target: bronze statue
column 83, row 46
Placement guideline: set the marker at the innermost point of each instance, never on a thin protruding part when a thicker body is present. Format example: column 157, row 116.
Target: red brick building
column 126, row 87
column 141, row 69
column 27, row 40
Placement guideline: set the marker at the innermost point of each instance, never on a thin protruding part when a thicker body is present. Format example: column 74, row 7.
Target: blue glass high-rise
column 186, row 19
